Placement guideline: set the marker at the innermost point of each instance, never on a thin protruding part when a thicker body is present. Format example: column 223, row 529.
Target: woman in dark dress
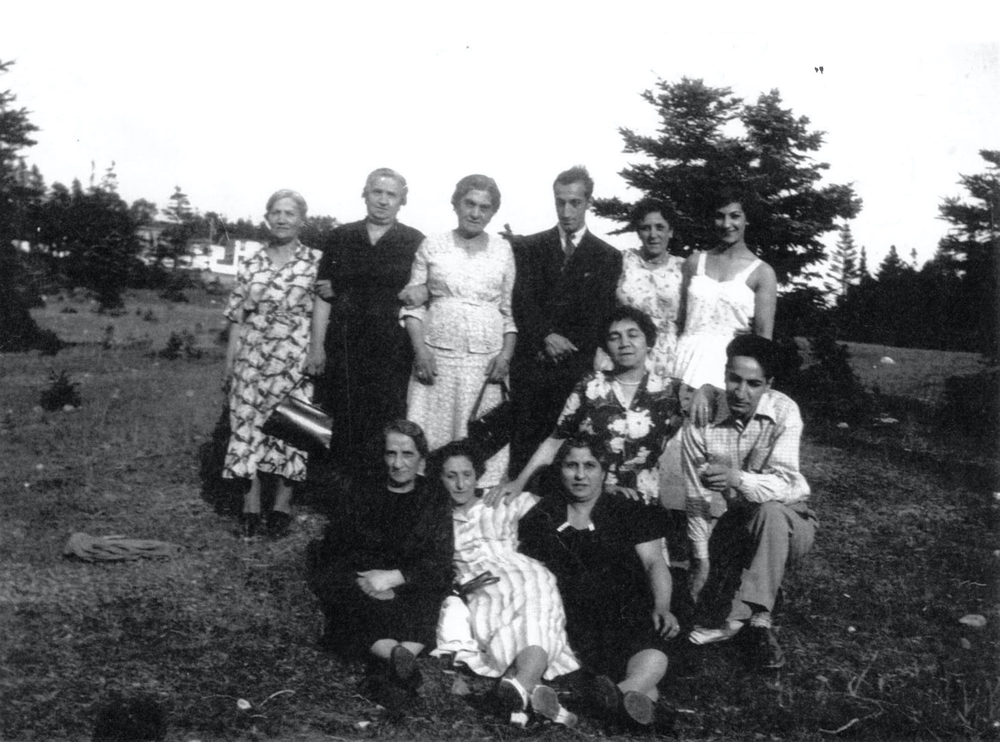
column 385, row 564
column 616, row 587
column 367, row 358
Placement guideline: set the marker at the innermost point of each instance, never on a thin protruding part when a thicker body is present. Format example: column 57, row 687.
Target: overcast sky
column 233, row 100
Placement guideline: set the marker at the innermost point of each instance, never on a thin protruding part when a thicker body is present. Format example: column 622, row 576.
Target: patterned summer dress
column 275, row 306
column 716, row 312
column 464, row 324
column 656, row 290
column 523, row 609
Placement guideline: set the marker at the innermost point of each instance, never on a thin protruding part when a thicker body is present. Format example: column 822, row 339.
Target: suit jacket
column 574, row 302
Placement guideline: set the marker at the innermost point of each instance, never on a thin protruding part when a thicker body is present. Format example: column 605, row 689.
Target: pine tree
column 844, row 271
column 696, row 153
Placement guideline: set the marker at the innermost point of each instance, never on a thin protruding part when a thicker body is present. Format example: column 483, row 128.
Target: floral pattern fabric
column 635, row 434
column 273, row 308
column 656, row 290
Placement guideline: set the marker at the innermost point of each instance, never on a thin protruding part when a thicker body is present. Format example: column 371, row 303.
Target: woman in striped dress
column 515, row 627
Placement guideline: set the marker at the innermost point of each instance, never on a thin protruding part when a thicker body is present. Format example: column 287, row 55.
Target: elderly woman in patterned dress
column 463, row 335
column 269, row 311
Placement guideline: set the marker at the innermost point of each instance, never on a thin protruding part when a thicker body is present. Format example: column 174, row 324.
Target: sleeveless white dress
column 716, row 312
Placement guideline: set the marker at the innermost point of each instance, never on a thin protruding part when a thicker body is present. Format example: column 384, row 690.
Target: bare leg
column 529, row 666
column 251, row 500
column 283, row 495
column 383, row 648
column 645, row 669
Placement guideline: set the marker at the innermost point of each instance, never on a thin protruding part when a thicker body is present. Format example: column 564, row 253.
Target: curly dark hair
column 638, row 316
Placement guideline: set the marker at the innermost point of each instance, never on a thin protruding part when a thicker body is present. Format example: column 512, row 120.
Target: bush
column 180, row 345
column 971, row 403
column 60, row 393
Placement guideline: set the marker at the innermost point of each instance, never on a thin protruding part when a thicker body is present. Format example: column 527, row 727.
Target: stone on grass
column 886, row 361
column 974, row 620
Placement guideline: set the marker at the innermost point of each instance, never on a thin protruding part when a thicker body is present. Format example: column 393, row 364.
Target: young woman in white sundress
column 727, row 291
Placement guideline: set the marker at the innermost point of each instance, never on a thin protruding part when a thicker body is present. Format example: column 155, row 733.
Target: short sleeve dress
column 603, row 584
column 274, row 306
column 468, row 314
column 716, row 312
column 524, row 608
column 655, row 288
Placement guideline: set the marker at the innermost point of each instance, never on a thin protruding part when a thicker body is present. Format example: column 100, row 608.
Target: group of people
column 644, row 435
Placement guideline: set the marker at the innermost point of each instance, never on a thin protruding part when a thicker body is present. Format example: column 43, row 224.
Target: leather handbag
column 299, row 423
column 494, row 429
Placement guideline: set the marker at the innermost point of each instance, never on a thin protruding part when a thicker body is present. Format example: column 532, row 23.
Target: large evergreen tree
column 18, row 186
column 969, row 253
column 697, row 151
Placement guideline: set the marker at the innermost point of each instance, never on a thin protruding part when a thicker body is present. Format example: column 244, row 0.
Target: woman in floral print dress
column 629, row 409
column 269, row 310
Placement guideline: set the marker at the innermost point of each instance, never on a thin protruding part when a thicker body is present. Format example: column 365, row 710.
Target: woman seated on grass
column 615, row 584
column 384, row 567
column 514, row 627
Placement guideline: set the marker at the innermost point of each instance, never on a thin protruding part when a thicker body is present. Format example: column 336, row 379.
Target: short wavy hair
column 411, row 430
column 762, row 350
column 643, row 320
column 576, row 174
column 386, row 172
column 461, row 448
column 295, row 196
column 646, row 206
column 477, row 182
column 597, row 447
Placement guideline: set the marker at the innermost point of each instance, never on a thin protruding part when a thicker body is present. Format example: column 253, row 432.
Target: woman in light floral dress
column 651, row 280
column 270, row 311
column 464, row 334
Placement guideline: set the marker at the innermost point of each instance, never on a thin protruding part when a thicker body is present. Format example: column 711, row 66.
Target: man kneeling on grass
column 745, row 461
column 384, row 567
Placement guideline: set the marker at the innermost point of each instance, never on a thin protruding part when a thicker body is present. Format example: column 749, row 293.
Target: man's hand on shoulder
column 558, row 348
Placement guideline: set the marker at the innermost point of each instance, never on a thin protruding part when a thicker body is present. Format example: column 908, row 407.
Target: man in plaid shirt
column 743, row 465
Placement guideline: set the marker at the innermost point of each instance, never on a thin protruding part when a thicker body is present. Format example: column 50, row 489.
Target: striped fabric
column 524, row 608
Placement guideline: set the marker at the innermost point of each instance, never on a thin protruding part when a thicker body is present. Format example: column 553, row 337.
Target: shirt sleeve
column 507, row 290
column 573, row 412
column 777, row 478
column 694, row 453
column 418, row 277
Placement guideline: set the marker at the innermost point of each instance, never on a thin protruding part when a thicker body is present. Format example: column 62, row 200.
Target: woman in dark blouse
column 615, row 585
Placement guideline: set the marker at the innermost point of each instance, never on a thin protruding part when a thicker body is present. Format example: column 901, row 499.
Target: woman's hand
column 324, row 288
column 665, row 622
column 374, row 581
column 315, row 361
column 414, row 296
column 504, row 490
column 498, row 368
column 425, row 367
column 701, row 405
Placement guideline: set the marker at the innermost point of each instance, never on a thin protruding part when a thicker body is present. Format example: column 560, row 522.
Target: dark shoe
column 545, row 702
column 403, row 670
column 511, row 702
column 279, row 524
column 765, row 652
column 638, row 708
column 250, row 525
column 606, row 696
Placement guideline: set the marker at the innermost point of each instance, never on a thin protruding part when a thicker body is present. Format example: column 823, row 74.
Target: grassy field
column 872, row 625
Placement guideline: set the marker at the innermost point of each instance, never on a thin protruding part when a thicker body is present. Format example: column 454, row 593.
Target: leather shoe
column 638, row 708
column 279, row 524
column 403, row 668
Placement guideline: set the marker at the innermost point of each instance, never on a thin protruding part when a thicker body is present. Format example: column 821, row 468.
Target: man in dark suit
column 563, row 295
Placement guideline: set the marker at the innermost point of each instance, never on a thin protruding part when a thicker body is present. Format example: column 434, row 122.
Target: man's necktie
column 570, row 247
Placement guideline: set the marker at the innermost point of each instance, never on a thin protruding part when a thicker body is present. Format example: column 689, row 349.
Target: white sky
column 233, row 100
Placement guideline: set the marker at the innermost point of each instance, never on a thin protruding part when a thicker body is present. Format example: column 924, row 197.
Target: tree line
column 707, row 138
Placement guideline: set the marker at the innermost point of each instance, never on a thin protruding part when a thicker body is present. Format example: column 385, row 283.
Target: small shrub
column 180, row 345
column 67, row 310
column 60, row 392
column 971, row 403
column 149, row 316
column 108, row 341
